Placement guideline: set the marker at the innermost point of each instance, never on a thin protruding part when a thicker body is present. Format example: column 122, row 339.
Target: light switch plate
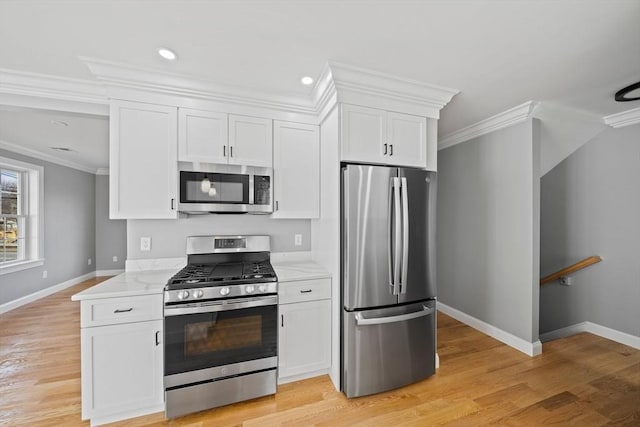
column 298, row 239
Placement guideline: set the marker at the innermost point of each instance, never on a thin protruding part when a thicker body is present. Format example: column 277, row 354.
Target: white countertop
column 289, row 271
column 130, row 283
column 148, row 282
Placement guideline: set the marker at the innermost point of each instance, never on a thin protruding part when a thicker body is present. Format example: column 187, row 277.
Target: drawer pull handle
column 123, row 311
column 157, row 338
column 308, row 291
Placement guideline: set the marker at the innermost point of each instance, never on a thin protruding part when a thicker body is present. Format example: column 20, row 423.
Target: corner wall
column 590, row 205
column 111, row 234
column 488, row 232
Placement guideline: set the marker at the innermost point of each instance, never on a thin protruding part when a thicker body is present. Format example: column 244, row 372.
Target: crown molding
column 14, row 148
column 502, row 120
column 125, row 76
column 102, row 171
column 626, row 118
column 48, row 86
column 353, row 85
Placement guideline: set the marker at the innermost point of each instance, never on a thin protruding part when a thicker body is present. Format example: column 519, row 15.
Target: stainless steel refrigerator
column 388, row 277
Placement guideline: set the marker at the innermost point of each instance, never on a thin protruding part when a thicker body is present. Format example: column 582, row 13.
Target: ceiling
column 499, row 54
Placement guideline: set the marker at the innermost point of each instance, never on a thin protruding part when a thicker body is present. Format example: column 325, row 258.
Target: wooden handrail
column 571, row 269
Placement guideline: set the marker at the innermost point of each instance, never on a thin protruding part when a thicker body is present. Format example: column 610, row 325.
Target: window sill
column 13, row 267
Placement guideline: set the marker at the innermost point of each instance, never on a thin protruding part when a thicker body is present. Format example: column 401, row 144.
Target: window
column 21, row 218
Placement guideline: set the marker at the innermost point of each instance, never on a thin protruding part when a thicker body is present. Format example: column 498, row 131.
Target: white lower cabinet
column 122, row 365
column 304, row 340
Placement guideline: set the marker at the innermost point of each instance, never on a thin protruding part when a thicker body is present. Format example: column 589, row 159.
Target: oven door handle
column 222, row 305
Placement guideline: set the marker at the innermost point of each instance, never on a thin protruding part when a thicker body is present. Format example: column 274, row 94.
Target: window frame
column 32, row 211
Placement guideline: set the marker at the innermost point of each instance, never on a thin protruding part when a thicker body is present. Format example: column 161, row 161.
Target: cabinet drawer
column 110, row 311
column 304, row 290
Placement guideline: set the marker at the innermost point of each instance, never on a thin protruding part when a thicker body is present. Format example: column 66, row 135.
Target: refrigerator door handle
column 363, row 321
column 390, row 253
column 397, row 238
column 405, row 235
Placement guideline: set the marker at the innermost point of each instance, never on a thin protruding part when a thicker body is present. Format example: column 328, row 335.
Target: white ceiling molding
column 124, row 76
column 102, row 171
column 43, row 156
column 47, row 86
column 502, row 120
column 626, row 118
column 359, row 86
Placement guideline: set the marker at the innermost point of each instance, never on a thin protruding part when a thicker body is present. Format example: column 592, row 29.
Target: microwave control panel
column 262, row 190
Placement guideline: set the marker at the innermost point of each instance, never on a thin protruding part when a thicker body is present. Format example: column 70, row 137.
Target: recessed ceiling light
column 66, row 149
column 59, row 123
column 167, row 54
column 306, row 80
column 627, row 93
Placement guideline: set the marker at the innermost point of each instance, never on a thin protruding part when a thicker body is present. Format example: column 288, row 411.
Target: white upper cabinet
column 143, row 180
column 211, row 137
column 370, row 135
column 250, row 141
column 296, row 170
column 202, row 136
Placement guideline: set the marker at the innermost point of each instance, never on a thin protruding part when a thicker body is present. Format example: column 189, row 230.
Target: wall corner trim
column 528, row 348
column 625, row 118
column 592, row 328
column 502, row 120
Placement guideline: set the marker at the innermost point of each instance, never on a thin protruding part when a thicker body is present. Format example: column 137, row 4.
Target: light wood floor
column 583, row 380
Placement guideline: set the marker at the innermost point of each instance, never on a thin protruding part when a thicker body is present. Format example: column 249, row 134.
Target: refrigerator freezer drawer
column 388, row 348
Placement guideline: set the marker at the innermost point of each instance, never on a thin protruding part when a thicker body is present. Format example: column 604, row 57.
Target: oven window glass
column 200, row 187
column 222, row 335
column 205, row 340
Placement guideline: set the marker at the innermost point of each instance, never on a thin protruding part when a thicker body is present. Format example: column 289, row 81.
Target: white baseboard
column 101, row 273
column 11, row 305
column 528, row 348
column 593, row 328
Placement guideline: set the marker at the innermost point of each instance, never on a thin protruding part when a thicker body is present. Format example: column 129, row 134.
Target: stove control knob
column 198, row 293
column 249, row 289
column 225, row 291
column 262, row 288
column 183, row 295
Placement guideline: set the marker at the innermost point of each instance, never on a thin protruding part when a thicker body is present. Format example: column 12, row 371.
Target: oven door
column 215, row 339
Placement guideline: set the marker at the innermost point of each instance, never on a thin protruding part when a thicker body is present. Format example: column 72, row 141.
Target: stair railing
column 571, row 269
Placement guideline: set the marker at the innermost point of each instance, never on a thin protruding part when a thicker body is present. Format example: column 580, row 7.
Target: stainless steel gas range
column 220, row 324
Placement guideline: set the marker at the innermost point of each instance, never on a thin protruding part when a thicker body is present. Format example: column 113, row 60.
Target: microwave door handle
column 405, row 235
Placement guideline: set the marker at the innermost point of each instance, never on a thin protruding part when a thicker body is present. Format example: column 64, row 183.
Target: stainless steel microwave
column 216, row 188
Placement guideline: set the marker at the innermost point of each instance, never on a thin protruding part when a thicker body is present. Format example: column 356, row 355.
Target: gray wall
column 69, row 230
column 488, row 228
column 111, row 234
column 590, row 205
column 168, row 237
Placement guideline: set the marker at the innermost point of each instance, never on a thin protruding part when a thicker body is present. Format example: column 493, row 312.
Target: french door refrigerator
column 388, row 277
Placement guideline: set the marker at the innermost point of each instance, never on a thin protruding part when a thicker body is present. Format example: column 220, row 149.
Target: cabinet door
column 407, row 138
column 363, row 135
column 250, row 141
column 143, row 180
column 202, row 136
column 122, row 370
column 305, row 338
column 296, row 170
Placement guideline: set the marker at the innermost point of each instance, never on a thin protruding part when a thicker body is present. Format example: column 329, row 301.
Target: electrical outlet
column 298, row 239
column 44, row 274
column 115, row 258
column 89, row 261
column 145, row 244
